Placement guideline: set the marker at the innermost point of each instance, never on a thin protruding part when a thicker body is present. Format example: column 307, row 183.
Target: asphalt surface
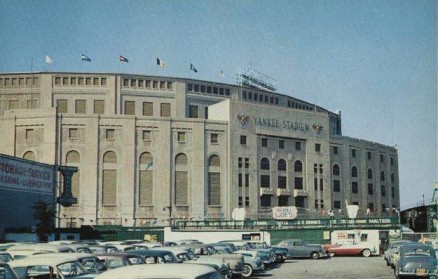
column 334, row 268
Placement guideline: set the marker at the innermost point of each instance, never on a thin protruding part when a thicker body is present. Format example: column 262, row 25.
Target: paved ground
column 334, row 268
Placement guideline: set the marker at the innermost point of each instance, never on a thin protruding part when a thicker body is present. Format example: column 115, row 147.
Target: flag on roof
column 85, row 58
column 48, row 60
column 123, row 59
column 161, row 63
column 222, row 73
column 192, row 68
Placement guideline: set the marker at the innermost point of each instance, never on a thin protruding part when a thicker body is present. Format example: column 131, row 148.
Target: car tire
column 247, row 271
column 314, row 255
column 366, row 253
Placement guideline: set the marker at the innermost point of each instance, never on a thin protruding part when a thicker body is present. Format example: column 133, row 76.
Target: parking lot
column 334, row 268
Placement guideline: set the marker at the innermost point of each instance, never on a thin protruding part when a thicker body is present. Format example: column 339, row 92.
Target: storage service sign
column 20, row 174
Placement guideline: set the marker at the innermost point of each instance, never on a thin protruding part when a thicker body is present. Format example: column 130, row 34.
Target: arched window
column 370, row 174
column 181, row 179
column 298, row 166
column 29, row 155
column 146, row 179
column 74, row 159
column 109, row 178
column 264, row 163
column 281, row 165
column 353, row 171
column 336, row 170
column 392, row 178
column 382, row 176
column 214, row 180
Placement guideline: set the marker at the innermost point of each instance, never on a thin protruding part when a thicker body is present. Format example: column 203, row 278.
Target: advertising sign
column 20, row 174
column 284, row 212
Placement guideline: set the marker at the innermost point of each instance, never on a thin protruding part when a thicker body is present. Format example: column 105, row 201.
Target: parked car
column 56, row 248
column 186, row 271
column 351, row 250
column 116, row 260
column 156, row 256
column 299, row 249
column 60, row 267
column 90, row 262
column 389, row 254
column 21, row 254
column 416, row 260
column 6, row 271
column 96, row 249
column 5, row 257
column 253, row 263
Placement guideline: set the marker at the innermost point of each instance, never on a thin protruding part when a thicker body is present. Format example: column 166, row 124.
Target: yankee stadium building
column 150, row 147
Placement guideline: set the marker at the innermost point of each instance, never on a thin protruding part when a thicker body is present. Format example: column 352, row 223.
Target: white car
column 175, row 271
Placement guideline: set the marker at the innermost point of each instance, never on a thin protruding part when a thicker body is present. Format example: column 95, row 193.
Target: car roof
column 42, row 261
column 150, row 252
column 40, row 246
column 66, row 255
column 415, row 245
column 157, row 271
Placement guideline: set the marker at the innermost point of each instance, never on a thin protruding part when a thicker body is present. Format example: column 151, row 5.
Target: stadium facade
column 150, row 147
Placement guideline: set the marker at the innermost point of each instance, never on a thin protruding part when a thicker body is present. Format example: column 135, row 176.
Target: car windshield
column 5, row 258
column 90, row 265
column 136, row 260
column 418, row 252
column 71, row 269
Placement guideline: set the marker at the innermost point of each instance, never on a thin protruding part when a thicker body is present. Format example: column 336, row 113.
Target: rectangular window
column 315, row 184
column 88, row 81
column 81, row 106
column 103, row 81
column 266, row 99
column 57, row 81
column 214, row 138
column 250, row 95
column 129, row 107
column 283, row 201
column 202, row 88
column 221, row 91
column 353, row 153
column 214, row 194
column 281, row 144
column 14, row 104
column 370, row 189
column 73, row 133
column 297, row 145
column 32, row 103
column 265, row 201
column 30, row 134
column 240, row 201
column 140, row 83
column 214, row 90
column 181, row 136
column 244, row 95
column 155, row 84
column 165, row 110
column 181, row 187
column 239, row 162
column 206, row 112
column 81, row 81
column 96, row 81
column 393, row 192
column 61, row 104
column 146, row 182
column 196, row 88
column 73, row 81
column 110, row 134
column 148, row 84
column 316, row 204
column 354, row 187
column 335, row 150
column 264, row 142
column 383, row 191
column 162, row 85
column 315, row 168
column 337, row 186
column 298, row 183
column 146, row 135
column 392, row 161
column 282, row 182
column 246, row 201
column 99, row 107
column 381, row 158
column 193, row 111
column 321, row 168
column 148, row 109
column 169, row 85
column 246, row 179
column 265, row 181
column 21, row 82
column 109, row 187
column 317, row 147
column 65, row 81
column 321, row 203
column 369, row 155
column 321, row 184
column 337, row 204
column 242, row 139
column 246, row 163
column 240, row 181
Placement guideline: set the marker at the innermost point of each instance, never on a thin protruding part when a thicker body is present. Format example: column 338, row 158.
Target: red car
column 350, row 250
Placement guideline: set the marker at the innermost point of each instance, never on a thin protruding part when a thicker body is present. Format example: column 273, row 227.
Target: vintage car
column 90, row 262
column 60, row 267
column 96, row 249
column 185, row 271
column 5, row 257
column 389, row 254
column 299, row 249
column 253, row 263
column 416, row 260
column 156, row 256
column 6, row 271
column 351, row 250
column 56, row 248
column 21, row 254
column 116, row 260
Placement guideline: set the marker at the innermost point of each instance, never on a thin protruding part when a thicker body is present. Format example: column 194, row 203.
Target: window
column 315, row 168
column 244, row 94
column 148, row 109
column 148, row 84
column 370, row 189
column 264, row 163
column 321, row 168
column 371, row 206
column 392, row 178
column 354, row 187
column 383, row 191
column 169, row 85
column 392, row 192
column 181, row 136
column 110, row 134
column 316, row 204
column 335, row 150
column 336, row 186
column 246, row 163
column 155, row 84
column 392, row 161
column 62, row 106
column 321, row 184
column 57, row 81
column 369, row 155
column 80, row 106
column 165, row 109
column 181, row 179
column 65, row 81
column 317, row 147
column 246, row 179
column 240, row 201
column 353, row 171
column 196, row 87
column 81, row 81
column 315, row 184
column 30, row 134
column 298, row 166
column 242, row 139
column 283, row 201
column 95, row 81
column 265, row 201
column 239, row 162
column 146, row 179
column 321, row 203
column 246, row 201
column 336, row 170
column 162, row 85
column 282, row 182
column 265, row 181
column 297, row 145
column 240, row 183
column 129, row 107
column 193, row 111
column 88, row 81
column 381, row 158
column 298, row 183
column 206, row 112
column 382, row 176
column 146, row 135
column 214, row 138
column 32, row 103
column 99, row 107
column 370, row 174
column 103, row 81
column 281, row 144
column 73, row 133
column 353, row 153
column 281, row 165
column 337, row 204
column 14, row 104
column 264, row 142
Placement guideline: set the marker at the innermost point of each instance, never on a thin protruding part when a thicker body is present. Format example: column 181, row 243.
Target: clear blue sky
column 376, row 61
